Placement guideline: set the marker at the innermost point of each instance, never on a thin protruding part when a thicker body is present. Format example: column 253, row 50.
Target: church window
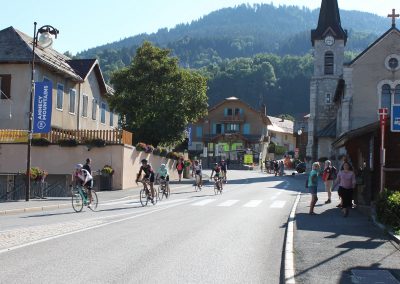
column 328, row 99
column 393, row 63
column 396, row 99
column 386, row 100
column 329, row 63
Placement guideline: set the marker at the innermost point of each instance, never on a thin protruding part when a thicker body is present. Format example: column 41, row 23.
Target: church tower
column 328, row 40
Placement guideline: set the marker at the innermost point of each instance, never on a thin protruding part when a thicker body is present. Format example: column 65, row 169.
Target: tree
column 157, row 98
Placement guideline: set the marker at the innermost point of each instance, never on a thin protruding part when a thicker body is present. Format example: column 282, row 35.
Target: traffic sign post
column 383, row 116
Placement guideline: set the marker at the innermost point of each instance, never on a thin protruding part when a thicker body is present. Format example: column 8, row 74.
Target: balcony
column 240, row 118
column 115, row 136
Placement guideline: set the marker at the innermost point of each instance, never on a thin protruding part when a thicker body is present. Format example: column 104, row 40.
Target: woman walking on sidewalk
column 328, row 177
column 347, row 182
column 313, row 186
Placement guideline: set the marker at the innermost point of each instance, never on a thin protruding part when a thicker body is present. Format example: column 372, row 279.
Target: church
column 345, row 99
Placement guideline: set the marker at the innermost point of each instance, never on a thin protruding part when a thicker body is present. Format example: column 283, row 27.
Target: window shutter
column 246, row 128
column 214, row 128
column 225, row 112
column 223, row 128
column 241, row 111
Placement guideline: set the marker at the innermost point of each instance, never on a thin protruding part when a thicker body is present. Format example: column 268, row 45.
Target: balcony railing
column 233, row 118
column 115, row 136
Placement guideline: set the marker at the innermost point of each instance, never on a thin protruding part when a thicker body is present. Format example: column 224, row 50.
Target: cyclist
column 83, row 178
column 217, row 176
column 197, row 171
column 224, row 170
column 162, row 173
column 148, row 174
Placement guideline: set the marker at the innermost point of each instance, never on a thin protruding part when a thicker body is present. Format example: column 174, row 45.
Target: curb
column 34, row 209
column 289, row 245
column 385, row 229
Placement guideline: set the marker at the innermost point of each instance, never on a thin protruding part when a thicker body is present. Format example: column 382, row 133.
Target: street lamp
column 45, row 40
column 299, row 133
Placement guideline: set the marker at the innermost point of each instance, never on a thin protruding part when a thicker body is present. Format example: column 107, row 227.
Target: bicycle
column 197, row 184
column 145, row 194
column 163, row 189
column 80, row 199
column 217, row 185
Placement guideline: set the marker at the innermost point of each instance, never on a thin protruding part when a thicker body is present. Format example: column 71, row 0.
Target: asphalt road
column 194, row 237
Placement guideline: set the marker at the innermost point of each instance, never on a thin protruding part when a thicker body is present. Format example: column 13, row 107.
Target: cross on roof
column 393, row 16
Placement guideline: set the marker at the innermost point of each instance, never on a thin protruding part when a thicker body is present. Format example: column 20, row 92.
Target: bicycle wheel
column 77, row 201
column 215, row 189
column 143, row 197
column 167, row 192
column 156, row 197
column 95, row 201
column 160, row 192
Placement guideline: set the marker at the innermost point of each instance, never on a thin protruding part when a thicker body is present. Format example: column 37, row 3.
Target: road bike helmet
column 144, row 161
column 78, row 166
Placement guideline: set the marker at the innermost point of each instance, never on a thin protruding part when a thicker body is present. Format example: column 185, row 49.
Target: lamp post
column 46, row 32
column 299, row 133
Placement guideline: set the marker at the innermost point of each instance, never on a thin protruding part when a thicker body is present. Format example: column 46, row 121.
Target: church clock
column 329, row 40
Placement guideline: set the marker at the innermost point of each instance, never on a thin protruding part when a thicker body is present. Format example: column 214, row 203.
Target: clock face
column 329, row 40
column 393, row 63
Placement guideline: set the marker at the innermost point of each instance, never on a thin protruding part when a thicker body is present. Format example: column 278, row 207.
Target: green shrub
column 96, row 142
column 163, row 152
column 271, row 148
column 107, row 170
column 68, row 142
column 149, row 149
column 388, row 209
column 37, row 174
column 42, row 142
column 141, row 146
column 173, row 156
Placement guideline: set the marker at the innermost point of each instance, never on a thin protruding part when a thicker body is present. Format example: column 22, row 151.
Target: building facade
column 231, row 128
column 79, row 92
column 281, row 133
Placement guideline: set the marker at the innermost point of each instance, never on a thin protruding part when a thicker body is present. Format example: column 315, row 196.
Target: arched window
column 329, row 63
column 386, row 97
column 328, row 99
column 396, row 99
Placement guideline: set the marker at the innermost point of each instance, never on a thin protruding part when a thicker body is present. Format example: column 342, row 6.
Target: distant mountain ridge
column 237, row 47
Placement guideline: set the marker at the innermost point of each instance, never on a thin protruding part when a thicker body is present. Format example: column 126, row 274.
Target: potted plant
column 107, row 170
column 106, row 178
column 68, row 142
column 42, row 142
column 141, row 147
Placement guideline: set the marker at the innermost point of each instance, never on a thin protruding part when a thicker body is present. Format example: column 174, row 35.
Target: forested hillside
column 234, row 46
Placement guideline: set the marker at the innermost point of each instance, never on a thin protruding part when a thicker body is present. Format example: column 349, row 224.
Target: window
column 237, row 111
column 85, row 101
column 219, row 129
column 396, row 99
column 45, row 79
column 386, row 100
column 94, row 109
column 103, row 113
column 5, row 86
column 72, row 99
column 393, row 63
column 246, row 129
column 228, row 112
column 329, row 63
column 232, row 127
column 111, row 119
column 328, row 99
column 199, row 131
column 60, row 96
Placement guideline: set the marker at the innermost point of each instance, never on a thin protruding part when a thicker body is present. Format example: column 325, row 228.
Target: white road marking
column 275, row 196
column 203, row 202
column 228, row 203
column 278, row 204
column 289, row 245
column 253, row 203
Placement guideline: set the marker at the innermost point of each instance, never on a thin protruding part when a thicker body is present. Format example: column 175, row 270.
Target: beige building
column 281, row 133
column 79, row 91
column 231, row 128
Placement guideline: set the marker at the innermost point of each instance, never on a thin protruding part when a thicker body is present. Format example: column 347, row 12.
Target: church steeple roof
column 329, row 22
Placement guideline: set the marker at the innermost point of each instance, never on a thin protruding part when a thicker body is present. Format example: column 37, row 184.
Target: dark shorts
column 180, row 172
column 150, row 177
column 165, row 178
column 313, row 190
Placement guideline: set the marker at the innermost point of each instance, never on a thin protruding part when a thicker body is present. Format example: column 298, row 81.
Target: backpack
column 333, row 174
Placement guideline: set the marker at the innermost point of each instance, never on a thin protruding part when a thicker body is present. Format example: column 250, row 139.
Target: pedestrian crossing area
column 234, row 202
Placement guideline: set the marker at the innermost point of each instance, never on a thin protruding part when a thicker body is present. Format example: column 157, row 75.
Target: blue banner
column 42, row 107
column 396, row 118
column 189, row 131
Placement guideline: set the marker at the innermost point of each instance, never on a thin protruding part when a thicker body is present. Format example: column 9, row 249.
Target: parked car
column 301, row 168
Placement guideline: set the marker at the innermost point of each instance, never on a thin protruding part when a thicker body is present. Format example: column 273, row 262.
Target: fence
column 13, row 186
column 115, row 136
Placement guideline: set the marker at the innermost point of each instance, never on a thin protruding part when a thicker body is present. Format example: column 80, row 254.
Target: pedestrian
column 347, row 182
column 179, row 167
column 281, row 168
column 328, row 176
column 312, row 183
column 87, row 167
column 276, row 167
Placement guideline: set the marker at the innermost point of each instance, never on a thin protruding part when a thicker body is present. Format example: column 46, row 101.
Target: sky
column 85, row 24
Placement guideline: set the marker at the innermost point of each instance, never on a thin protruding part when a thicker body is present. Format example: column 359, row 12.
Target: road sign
column 395, row 119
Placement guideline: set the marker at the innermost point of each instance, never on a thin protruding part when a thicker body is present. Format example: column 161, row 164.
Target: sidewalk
column 332, row 249
column 55, row 203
